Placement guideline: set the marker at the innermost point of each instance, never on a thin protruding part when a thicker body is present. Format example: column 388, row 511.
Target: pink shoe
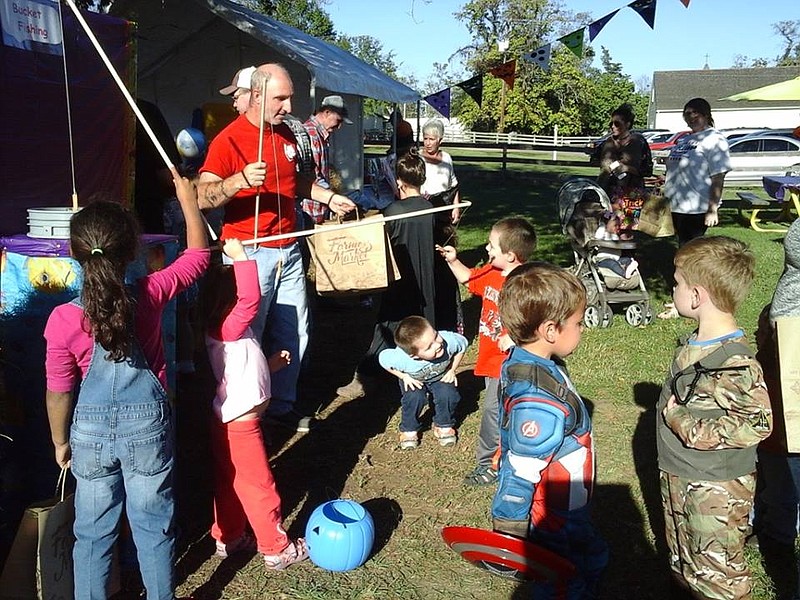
column 295, row 552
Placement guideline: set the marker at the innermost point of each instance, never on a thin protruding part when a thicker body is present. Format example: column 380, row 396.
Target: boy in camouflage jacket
column 712, row 413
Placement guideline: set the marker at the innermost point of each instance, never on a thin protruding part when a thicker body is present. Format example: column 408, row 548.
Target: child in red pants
column 244, row 489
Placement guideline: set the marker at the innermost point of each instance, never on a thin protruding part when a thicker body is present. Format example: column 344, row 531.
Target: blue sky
column 681, row 39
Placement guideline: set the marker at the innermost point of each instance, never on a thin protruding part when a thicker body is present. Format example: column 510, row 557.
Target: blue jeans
column 122, row 456
column 778, row 497
column 283, row 313
column 776, row 508
column 445, row 398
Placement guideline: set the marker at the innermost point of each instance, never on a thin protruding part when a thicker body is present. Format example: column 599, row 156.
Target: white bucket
column 51, row 222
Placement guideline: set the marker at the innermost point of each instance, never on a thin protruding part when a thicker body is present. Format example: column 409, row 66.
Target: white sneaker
column 408, row 440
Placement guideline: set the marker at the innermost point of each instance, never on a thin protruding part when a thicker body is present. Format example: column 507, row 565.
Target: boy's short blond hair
column 516, row 235
column 537, row 292
column 725, row 267
column 408, row 333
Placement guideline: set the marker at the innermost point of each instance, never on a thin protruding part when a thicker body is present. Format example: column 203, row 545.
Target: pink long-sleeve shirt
column 70, row 343
column 243, row 381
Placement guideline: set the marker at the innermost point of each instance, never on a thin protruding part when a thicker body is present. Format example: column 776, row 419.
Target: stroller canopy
column 577, row 190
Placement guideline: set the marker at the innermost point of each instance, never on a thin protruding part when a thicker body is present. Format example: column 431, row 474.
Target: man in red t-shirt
column 258, row 197
column 511, row 242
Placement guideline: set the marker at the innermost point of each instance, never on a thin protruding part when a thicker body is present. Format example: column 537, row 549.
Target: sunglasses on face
column 617, row 124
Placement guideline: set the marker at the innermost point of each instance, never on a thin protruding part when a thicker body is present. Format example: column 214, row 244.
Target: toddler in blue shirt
column 425, row 362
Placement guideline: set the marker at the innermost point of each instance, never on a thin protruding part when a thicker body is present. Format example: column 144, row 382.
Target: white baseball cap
column 240, row 80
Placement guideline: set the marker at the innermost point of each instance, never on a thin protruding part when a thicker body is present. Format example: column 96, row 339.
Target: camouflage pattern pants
column 706, row 525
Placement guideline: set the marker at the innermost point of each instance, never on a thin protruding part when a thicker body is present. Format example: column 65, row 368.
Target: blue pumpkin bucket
column 339, row 535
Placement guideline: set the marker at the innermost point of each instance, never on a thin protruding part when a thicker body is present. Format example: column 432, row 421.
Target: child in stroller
column 603, row 262
column 612, row 259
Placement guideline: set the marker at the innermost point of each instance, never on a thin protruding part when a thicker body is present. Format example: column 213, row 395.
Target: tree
column 371, row 51
column 610, row 87
column 305, row 15
column 790, row 32
column 790, row 56
column 571, row 94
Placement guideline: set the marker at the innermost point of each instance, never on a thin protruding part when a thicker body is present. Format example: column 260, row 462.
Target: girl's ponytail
column 104, row 240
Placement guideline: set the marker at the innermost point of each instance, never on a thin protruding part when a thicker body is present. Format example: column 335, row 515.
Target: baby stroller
column 606, row 268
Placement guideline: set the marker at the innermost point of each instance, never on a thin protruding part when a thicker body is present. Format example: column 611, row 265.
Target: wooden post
column 555, row 141
column 502, row 125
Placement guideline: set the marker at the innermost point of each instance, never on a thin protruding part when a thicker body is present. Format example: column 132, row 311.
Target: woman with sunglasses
column 625, row 158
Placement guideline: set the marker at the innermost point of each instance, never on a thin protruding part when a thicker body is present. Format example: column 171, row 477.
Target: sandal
column 669, row 312
column 481, row 476
column 295, row 552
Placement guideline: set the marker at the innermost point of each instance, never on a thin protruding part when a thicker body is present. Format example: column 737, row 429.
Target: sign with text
column 31, row 25
column 354, row 260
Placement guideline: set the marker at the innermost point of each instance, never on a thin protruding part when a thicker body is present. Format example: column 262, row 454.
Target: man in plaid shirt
column 329, row 117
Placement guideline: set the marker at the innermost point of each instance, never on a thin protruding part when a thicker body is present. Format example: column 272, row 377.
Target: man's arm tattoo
column 214, row 195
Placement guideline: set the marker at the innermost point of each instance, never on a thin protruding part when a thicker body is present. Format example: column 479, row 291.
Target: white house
column 672, row 89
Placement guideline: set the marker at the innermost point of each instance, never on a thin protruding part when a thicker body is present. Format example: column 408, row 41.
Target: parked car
column 649, row 134
column 669, row 142
column 660, row 149
column 593, row 147
column 733, row 133
column 376, row 135
column 783, row 132
column 759, row 154
column 657, row 138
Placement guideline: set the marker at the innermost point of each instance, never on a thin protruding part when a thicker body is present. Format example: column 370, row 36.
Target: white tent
column 188, row 49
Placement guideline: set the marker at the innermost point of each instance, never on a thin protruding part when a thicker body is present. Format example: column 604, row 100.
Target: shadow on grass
column 387, row 515
column 645, row 457
column 317, row 466
column 632, row 562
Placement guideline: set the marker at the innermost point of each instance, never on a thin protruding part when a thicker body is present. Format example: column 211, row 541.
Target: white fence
column 455, row 133
column 479, row 137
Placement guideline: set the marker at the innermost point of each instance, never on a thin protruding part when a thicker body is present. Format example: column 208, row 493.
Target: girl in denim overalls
column 119, row 438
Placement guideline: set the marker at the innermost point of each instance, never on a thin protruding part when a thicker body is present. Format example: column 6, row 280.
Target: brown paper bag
column 39, row 564
column 788, row 329
column 354, row 260
column 655, row 217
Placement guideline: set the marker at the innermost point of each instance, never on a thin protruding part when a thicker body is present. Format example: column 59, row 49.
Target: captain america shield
column 507, row 556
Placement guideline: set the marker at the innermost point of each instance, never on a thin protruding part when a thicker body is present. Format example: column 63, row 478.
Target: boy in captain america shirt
column 547, row 454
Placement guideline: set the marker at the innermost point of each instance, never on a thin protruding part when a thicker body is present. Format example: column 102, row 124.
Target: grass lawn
column 412, row 494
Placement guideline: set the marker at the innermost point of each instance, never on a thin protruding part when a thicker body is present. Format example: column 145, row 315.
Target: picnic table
column 784, row 195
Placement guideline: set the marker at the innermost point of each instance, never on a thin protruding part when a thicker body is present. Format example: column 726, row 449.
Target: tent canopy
column 188, row 49
column 335, row 69
column 167, row 26
column 784, row 90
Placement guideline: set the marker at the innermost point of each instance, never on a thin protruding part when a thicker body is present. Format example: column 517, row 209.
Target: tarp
column 188, row 49
column 333, row 68
column 785, row 90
